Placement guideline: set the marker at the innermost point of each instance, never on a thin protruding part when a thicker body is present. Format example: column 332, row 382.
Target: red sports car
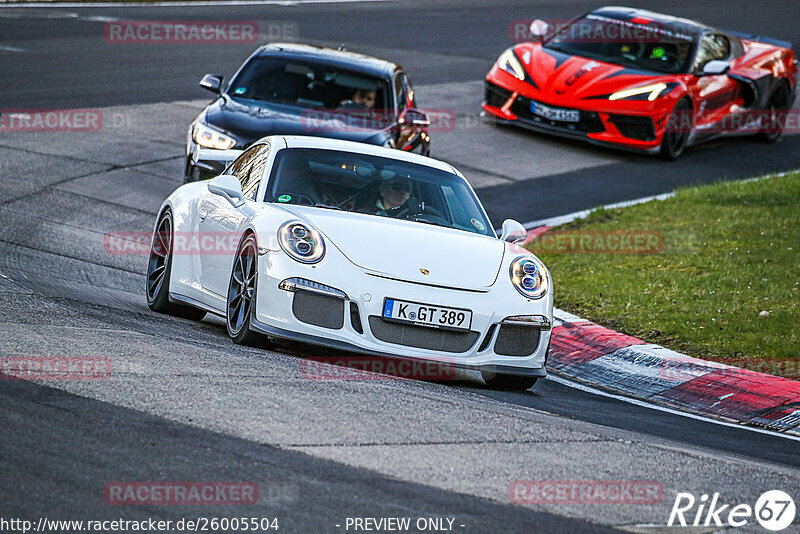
column 643, row 81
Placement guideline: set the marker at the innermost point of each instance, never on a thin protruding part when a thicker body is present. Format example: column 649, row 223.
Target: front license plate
column 427, row 314
column 555, row 114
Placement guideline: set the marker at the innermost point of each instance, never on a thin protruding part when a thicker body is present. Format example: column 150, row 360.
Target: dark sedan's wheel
column 242, row 294
column 778, row 103
column 159, row 270
column 678, row 128
column 512, row 382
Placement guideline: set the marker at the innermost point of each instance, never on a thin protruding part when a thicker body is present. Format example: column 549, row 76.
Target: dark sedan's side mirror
column 414, row 117
column 212, row 82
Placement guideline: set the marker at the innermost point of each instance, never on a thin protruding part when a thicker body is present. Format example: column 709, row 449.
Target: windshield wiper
column 430, row 222
column 328, row 207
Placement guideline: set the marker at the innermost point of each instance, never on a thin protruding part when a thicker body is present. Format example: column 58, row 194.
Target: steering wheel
column 349, row 104
column 421, row 209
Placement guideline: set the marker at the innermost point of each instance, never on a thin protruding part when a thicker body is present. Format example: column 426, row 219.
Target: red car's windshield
column 643, row 46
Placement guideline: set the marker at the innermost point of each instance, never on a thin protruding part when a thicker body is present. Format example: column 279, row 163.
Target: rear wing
column 213, row 159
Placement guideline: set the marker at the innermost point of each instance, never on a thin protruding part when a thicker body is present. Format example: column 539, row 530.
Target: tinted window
column 307, row 85
column 400, row 93
column 241, row 167
column 712, row 46
column 373, row 185
column 641, row 46
column 255, row 172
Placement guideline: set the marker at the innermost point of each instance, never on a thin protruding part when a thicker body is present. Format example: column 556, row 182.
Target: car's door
column 715, row 94
column 221, row 223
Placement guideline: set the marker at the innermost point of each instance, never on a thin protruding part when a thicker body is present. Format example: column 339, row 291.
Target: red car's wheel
column 778, row 102
column 678, row 129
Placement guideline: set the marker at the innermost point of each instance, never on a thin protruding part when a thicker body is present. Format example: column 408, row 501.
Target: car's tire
column 677, row 134
column 512, row 382
column 159, row 271
column 778, row 101
column 241, row 295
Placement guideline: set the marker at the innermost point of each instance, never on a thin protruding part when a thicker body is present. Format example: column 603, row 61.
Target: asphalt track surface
column 183, row 403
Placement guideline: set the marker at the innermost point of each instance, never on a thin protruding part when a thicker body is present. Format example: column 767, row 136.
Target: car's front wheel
column 159, row 270
column 779, row 101
column 512, row 382
column 241, row 299
column 678, row 128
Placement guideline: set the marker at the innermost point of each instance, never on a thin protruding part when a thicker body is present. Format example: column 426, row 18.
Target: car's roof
column 337, row 58
column 669, row 23
column 304, row 141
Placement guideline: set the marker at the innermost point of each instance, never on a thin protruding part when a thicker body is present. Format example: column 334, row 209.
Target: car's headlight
column 648, row 92
column 509, row 63
column 301, row 242
column 529, row 277
column 208, row 137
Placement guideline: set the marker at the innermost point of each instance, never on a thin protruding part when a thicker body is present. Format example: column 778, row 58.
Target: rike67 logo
column 774, row 510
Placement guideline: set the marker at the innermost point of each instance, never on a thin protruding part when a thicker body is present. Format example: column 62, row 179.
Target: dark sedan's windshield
column 643, row 46
column 308, row 85
column 385, row 187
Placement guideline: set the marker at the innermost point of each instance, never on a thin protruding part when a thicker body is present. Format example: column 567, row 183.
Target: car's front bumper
column 637, row 130
column 354, row 323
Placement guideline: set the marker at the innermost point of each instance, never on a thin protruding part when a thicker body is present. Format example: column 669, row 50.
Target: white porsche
column 357, row 248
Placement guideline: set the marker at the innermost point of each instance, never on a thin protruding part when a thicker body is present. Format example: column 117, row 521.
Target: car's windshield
column 373, row 185
column 308, row 85
column 643, row 46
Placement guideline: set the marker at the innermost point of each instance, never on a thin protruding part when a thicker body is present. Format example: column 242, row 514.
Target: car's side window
column 712, row 46
column 241, row 167
column 408, row 89
column 255, row 172
column 400, row 92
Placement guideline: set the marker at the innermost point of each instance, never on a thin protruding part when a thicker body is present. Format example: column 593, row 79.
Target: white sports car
column 358, row 248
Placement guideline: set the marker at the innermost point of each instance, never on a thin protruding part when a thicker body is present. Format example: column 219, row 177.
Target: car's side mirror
column 715, row 67
column 212, row 82
column 513, row 232
column 414, row 117
column 227, row 186
column 540, row 29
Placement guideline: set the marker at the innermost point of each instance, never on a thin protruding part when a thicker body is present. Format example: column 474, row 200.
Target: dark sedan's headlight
column 529, row 277
column 301, row 242
column 208, row 137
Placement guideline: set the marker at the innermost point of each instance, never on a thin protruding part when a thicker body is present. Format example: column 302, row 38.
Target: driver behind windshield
column 361, row 97
column 394, row 197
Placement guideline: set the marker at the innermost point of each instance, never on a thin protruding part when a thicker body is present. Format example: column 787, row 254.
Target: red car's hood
column 564, row 78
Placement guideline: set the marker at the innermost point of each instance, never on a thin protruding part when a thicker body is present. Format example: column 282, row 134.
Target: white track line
column 183, row 4
column 569, row 217
column 643, row 404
